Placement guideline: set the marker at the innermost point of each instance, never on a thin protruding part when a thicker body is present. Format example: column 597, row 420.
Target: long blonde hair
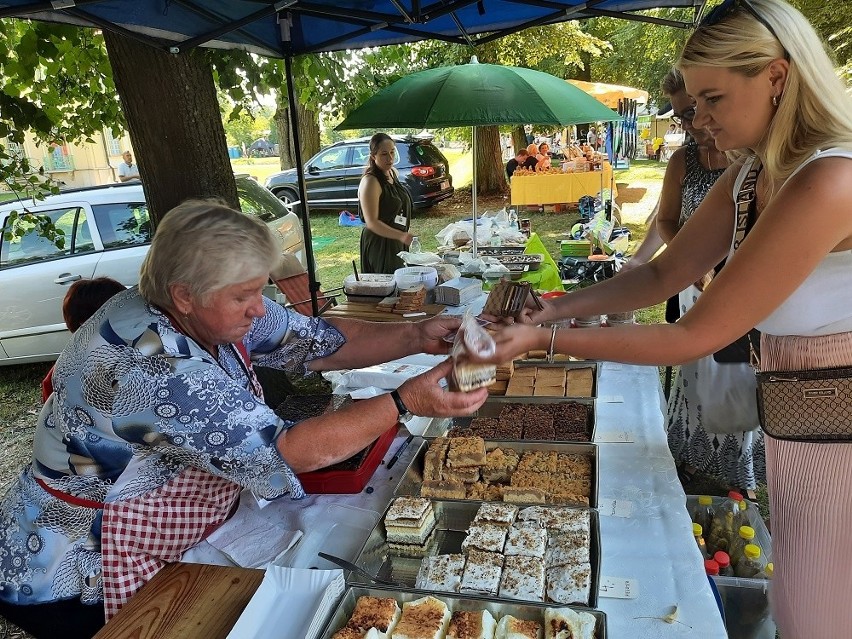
column 814, row 112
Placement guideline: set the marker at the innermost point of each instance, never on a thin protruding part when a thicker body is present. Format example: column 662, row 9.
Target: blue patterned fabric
column 135, row 403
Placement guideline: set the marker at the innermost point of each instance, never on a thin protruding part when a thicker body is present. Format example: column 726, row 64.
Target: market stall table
column 646, row 532
column 560, row 188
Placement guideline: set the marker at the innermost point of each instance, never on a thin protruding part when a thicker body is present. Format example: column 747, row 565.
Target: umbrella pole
column 313, row 285
column 473, row 185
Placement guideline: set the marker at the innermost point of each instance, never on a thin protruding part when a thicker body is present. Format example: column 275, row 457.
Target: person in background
column 518, row 161
column 127, row 170
column 158, row 420
column 83, row 298
column 543, row 157
column 592, row 138
column 532, row 157
column 765, row 87
column 386, row 208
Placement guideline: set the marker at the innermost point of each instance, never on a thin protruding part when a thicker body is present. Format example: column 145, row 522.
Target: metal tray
column 498, row 608
column 493, row 406
column 413, row 477
column 453, row 519
column 501, row 250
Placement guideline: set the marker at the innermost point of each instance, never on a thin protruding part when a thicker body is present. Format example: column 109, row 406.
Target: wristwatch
column 404, row 414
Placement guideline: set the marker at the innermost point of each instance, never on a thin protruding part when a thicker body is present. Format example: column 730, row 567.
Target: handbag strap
column 746, row 216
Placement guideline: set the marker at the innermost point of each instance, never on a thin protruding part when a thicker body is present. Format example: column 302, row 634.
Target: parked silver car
column 107, row 234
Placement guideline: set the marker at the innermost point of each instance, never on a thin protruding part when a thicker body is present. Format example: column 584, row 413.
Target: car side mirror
column 313, row 170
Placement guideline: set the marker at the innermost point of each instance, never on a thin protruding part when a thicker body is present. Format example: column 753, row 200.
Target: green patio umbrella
column 477, row 95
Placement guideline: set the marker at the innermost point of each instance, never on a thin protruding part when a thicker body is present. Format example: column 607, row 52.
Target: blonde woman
column 765, row 88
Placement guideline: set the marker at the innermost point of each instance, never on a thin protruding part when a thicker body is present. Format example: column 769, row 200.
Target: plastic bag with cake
column 469, row 375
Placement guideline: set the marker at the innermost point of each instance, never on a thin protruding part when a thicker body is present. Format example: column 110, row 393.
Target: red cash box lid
column 349, row 481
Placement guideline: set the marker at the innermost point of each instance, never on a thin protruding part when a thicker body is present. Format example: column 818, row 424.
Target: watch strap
column 401, row 408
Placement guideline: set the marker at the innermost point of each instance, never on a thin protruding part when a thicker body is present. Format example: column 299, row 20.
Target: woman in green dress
column 386, row 209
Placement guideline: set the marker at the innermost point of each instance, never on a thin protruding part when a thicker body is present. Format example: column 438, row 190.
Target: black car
column 333, row 174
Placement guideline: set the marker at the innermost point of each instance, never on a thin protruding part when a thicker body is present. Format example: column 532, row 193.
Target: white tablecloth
column 653, row 546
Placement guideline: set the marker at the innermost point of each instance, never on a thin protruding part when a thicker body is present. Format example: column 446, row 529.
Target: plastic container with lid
column 369, row 287
column 411, row 276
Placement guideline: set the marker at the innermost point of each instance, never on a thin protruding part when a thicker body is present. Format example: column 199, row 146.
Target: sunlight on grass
column 258, row 168
column 461, row 166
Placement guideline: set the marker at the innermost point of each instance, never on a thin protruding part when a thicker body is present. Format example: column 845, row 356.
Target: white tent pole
column 473, row 186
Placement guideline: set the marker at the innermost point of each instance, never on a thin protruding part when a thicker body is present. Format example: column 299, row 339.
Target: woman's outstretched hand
column 516, row 339
column 423, row 395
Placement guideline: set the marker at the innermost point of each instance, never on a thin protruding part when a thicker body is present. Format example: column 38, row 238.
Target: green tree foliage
column 640, row 54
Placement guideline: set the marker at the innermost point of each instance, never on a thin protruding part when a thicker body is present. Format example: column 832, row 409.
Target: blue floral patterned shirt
column 135, row 403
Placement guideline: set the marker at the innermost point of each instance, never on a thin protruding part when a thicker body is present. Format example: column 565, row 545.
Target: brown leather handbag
column 811, row 406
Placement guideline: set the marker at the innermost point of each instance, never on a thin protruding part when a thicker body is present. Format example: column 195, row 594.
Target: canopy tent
column 285, row 28
column 610, row 94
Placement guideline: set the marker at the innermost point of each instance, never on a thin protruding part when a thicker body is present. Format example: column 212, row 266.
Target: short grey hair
column 207, row 246
column 672, row 83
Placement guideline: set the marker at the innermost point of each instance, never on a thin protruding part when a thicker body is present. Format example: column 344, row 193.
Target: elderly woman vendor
column 157, row 420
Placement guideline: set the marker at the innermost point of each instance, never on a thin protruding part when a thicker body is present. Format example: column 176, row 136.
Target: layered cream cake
column 424, row 618
column 510, row 627
column 568, row 549
column 564, row 623
column 470, row 624
column 408, row 524
column 485, row 536
column 496, row 513
column 441, row 572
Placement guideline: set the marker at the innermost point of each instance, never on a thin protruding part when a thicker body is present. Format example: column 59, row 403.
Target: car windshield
column 259, row 201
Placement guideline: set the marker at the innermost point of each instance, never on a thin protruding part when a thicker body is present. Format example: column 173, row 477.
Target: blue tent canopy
column 291, row 27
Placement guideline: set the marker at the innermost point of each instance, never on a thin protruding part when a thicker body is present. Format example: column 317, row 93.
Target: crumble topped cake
column 443, row 489
column 557, row 519
column 469, row 624
column 424, row 618
column 465, row 452
column 523, row 578
column 528, row 541
column 485, row 536
column 510, row 627
column 569, row 584
column 441, row 572
column 499, row 464
column 496, row 513
column 374, row 613
column 482, row 573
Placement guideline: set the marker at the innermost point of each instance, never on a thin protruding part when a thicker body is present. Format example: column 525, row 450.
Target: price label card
column 618, row 588
column 615, row 507
column 614, row 437
column 611, row 399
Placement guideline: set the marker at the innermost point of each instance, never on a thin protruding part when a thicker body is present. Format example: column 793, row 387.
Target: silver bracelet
column 552, row 340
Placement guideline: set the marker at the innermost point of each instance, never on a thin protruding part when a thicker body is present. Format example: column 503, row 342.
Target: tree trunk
column 309, row 132
column 174, row 123
column 519, row 138
column 490, row 172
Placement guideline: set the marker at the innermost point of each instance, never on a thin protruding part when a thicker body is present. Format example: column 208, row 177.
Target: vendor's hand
column 423, row 395
column 407, row 238
column 515, row 340
column 432, row 332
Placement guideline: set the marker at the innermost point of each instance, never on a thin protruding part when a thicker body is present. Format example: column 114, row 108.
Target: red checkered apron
column 141, row 535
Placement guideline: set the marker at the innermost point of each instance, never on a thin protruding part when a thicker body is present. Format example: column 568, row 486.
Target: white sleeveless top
column 822, row 305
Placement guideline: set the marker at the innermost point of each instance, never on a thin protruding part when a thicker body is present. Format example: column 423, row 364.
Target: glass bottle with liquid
column 699, row 539
column 724, row 561
column 737, row 552
column 752, row 562
column 415, row 247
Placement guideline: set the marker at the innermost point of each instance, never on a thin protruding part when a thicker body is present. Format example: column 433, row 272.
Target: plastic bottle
column 711, row 567
column 737, row 552
column 724, row 562
column 513, row 218
column 722, row 531
column 767, row 572
column 703, row 512
column 752, row 562
column 741, row 516
column 415, row 247
column 699, row 539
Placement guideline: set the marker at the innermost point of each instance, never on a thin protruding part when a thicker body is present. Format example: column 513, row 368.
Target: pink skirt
column 811, row 508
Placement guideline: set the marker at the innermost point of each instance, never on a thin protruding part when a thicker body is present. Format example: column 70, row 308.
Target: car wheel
column 288, row 197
